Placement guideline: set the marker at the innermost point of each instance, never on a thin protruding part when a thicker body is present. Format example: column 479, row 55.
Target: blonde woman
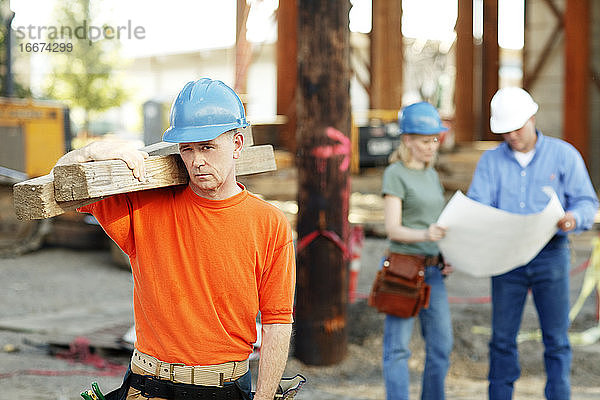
column 413, row 198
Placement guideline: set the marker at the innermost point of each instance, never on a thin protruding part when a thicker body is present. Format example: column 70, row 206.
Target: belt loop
column 172, row 370
column 171, row 375
column 192, row 381
column 221, row 380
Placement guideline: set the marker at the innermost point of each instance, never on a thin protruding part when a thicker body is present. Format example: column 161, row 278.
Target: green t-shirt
column 422, row 202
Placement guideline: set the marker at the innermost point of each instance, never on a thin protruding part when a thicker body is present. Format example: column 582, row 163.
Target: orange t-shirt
column 202, row 269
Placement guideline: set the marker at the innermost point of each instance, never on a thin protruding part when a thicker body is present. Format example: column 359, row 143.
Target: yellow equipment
column 33, row 136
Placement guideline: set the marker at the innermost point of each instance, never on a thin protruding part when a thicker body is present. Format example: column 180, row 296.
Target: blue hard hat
column 203, row 110
column 420, row 119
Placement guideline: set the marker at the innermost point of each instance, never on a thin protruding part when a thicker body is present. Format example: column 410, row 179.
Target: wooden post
column 323, row 178
column 576, row 123
column 386, row 55
column 287, row 70
column 490, row 64
column 464, row 117
column 243, row 50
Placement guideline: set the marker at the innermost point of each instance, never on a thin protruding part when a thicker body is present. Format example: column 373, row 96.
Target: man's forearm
column 273, row 357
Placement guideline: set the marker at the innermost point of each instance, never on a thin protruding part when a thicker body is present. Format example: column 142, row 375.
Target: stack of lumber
column 75, row 185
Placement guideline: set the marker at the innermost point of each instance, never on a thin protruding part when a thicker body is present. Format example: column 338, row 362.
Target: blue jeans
column 436, row 329
column 245, row 383
column 547, row 275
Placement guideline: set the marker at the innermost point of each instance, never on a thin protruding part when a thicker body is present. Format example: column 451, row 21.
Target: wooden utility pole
column 243, row 49
column 464, row 116
column 386, row 55
column 323, row 178
column 576, row 123
column 287, row 70
column 490, row 64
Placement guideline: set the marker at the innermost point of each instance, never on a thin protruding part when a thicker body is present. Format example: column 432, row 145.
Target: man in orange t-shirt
column 206, row 258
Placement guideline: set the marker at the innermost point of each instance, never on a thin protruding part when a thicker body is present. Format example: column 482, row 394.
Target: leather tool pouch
column 399, row 288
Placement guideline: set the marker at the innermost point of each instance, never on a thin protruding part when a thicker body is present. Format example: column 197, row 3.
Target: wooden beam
column 75, row 185
column 103, row 178
column 386, row 55
column 490, row 64
column 576, row 122
column 34, row 199
column 464, row 116
column 287, row 70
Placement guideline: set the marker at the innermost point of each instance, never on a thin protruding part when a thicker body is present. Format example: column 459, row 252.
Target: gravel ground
column 52, row 280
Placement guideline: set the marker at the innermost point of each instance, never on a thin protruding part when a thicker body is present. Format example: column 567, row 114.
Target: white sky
column 187, row 25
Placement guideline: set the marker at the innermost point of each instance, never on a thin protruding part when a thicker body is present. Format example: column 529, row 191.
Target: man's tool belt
column 182, row 382
column 205, row 375
column 150, row 386
column 399, row 288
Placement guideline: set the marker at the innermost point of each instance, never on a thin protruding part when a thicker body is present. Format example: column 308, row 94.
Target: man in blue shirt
column 511, row 177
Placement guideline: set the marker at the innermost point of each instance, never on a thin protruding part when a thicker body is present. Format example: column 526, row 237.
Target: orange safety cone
column 356, row 240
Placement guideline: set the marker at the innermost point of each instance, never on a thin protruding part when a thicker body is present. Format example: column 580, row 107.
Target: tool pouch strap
column 120, row 393
column 151, row 386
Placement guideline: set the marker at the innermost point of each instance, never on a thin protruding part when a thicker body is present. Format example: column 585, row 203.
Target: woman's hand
column 447, row 270
column 434, row 233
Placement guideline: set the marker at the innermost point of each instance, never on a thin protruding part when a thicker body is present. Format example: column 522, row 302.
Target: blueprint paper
column 485, row 241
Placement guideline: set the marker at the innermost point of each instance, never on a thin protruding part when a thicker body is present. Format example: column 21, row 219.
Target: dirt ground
column 54, row 294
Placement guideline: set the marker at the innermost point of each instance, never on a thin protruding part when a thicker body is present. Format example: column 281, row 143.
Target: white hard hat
column 511, row 108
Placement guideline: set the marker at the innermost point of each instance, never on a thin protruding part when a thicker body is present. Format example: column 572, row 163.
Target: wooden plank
column 103, row 178
column 35, row 198
column 256, row 159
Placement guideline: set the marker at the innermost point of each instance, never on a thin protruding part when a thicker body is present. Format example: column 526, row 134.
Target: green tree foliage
column 84, row 76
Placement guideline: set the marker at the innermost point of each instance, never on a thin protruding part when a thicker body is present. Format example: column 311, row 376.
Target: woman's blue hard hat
column 420, row 119
column 203, row 110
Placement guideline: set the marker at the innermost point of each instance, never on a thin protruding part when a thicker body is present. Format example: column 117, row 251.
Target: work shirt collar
column 539, row 143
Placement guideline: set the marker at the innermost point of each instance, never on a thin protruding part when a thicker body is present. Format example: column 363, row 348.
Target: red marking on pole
column 342, row 148
column 306, row 240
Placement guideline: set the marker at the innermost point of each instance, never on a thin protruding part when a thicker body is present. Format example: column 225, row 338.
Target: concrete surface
column 55, row 294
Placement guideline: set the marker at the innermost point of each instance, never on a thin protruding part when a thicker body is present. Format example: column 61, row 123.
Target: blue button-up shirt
column 500, row 181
